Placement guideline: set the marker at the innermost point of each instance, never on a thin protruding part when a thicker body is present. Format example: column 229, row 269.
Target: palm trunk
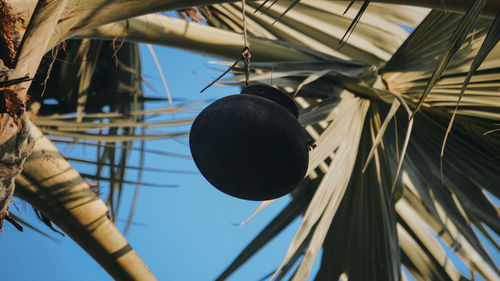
column 194, row 37
column 51, row 185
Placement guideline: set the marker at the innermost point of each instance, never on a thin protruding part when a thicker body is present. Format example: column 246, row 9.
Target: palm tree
column 383, row 189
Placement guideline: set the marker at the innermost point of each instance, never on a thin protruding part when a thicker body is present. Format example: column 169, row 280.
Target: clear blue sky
column 183, row 233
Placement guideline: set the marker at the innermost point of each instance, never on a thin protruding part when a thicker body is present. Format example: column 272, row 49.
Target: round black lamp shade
column 251, row 145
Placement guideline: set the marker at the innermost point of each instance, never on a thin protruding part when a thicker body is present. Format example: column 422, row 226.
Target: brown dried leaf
column 10, row 103
column 8, row 40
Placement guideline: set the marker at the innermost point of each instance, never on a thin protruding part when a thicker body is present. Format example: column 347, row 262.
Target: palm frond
column 450, row 208
column 368, row 221
column 491, row 39
column 82, row 75
column 456, row 40
column 320, row 25
column 32, row 227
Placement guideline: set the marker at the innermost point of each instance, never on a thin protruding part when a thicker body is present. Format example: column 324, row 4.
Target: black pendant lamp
column 251, row 145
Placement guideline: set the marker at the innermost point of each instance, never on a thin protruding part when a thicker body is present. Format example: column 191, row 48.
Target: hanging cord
column 244, row 16
column 245, row 54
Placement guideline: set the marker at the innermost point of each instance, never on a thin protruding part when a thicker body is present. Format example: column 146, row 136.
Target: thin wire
column 245, row 53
